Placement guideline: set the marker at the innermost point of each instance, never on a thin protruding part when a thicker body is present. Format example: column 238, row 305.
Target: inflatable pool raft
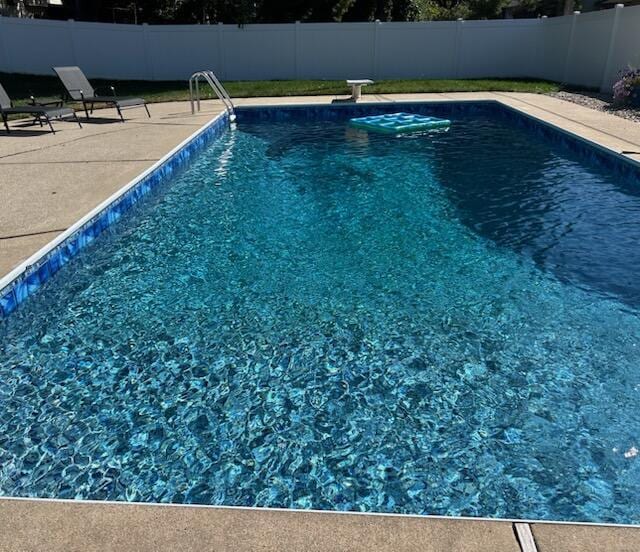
column 396, row 123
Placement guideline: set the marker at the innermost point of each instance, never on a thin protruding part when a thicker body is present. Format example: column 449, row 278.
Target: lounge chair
column 39, row 112
column 79, row 89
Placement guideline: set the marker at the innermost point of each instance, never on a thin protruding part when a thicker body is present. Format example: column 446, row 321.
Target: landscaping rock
column 601, row 102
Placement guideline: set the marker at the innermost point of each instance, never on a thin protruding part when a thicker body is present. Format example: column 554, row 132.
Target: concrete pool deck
column 50, row 181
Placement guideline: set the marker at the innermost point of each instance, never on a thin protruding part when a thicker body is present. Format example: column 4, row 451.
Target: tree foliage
column 285, row 11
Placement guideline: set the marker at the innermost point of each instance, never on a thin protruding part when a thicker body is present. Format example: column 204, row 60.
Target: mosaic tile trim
column 337, row 112
column 586, row 149
column 35, row 275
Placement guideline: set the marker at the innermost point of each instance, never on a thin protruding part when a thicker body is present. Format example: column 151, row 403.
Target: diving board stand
column 356, row 87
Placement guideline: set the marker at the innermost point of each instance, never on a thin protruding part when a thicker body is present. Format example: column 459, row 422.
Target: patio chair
column 79, row 89
column 40, row 113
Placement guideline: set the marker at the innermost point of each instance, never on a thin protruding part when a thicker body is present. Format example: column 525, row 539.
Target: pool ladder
column 210, row 77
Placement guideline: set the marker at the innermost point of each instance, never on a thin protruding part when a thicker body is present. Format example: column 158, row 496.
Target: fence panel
column 110, row 50
column 588, row 53
column 626, row 44
column 505, row 48
column 335, row 50
column 416, row 50
column 586, row 49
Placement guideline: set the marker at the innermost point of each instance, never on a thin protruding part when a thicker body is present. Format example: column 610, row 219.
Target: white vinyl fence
column 584, row 49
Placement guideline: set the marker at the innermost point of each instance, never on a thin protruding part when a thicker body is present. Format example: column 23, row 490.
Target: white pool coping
column 531, row 521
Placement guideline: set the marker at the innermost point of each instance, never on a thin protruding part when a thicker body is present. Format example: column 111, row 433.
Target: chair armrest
column 45, row 102
column 67, row 94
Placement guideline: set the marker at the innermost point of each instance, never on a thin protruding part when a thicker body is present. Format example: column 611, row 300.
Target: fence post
column 148, row 52
column 458, row 47
column 567, row 59
column 4, row 55
column 374, row 71
column 617, row 12
column 296, row 46
column 222, row 73
column 72, row 42
column 540, row 58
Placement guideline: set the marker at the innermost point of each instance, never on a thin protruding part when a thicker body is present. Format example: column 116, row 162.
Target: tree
column 286, row 11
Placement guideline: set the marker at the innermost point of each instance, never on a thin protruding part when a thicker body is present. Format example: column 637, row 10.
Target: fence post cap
column 577, row 12
column 619, row 5
column 460, row 19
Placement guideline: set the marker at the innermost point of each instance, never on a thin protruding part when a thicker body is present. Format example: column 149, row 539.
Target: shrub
column 627, row 85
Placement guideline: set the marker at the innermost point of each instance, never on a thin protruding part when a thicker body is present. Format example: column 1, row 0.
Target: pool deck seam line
column 72, row 141
column 79, row 161
column 30, row 234
column 131, row 127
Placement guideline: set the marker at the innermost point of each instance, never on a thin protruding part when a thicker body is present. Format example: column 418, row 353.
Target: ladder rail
column 215, row 84
column 222, row 89
column 195, row 79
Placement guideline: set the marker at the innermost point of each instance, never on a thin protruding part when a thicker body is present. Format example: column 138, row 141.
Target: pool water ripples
column 311, row 316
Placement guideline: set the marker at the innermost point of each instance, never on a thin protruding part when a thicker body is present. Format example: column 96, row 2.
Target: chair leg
column 50, row 125
column 147, row 109
column 120, row 113
column 86, row 111
column 75, row 116
column 6, row 124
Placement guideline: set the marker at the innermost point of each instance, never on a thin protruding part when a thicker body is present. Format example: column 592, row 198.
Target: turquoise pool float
column 396, row 123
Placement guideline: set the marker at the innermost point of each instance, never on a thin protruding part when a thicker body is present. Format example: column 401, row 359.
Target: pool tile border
column 26, row 279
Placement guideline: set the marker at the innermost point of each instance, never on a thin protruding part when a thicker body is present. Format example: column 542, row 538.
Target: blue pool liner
column 33, row 276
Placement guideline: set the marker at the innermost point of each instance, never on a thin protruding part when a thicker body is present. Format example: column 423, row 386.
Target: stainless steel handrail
column 215, row 85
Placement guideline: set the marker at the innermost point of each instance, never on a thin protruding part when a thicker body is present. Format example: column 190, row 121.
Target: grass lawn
column 20, row 87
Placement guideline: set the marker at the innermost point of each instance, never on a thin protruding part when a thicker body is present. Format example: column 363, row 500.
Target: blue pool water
column 310, row 316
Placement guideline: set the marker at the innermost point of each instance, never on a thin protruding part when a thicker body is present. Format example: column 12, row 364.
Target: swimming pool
column 310, row 316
